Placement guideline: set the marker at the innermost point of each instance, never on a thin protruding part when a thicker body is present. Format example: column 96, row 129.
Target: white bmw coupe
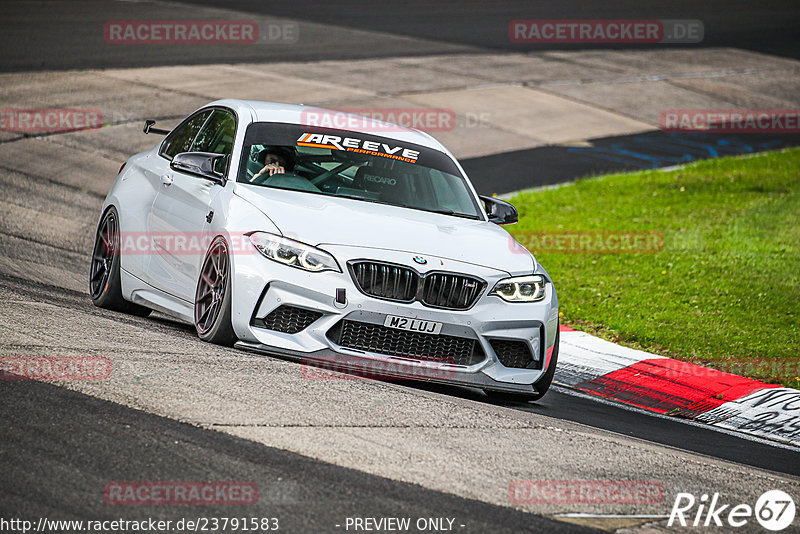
column 361, row 248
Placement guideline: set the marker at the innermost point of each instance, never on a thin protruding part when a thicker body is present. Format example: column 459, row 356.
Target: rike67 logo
column 774, row 510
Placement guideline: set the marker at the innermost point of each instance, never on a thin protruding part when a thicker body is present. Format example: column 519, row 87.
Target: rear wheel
column 212, row 302
column 542, row 386
column 105, row 286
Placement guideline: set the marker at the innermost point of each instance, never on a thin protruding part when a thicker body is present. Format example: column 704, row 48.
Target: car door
column 158, row 174
column 181, row 210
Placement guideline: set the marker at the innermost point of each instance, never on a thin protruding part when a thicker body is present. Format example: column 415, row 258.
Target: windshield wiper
column 435, row 210
column 444, row 211
column 356, row 197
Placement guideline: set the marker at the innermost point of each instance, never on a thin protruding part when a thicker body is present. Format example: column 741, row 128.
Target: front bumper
column 261, row 286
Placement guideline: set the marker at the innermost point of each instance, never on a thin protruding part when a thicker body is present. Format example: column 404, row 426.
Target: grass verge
column 722, row 289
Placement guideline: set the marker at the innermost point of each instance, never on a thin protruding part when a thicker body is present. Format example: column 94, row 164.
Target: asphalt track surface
column 348, row 30
column 59, row 446
column 769, row 26
column 49, row 35
column 562, row 404
column 514, row 171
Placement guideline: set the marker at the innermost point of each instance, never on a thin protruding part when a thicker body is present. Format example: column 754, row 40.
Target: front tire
column 105, row 285
column 212, row 301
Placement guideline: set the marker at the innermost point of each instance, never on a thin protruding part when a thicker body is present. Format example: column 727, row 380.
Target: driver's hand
column 271, row 169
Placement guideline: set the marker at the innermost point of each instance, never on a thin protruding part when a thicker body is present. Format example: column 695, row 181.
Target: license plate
column 412, row 325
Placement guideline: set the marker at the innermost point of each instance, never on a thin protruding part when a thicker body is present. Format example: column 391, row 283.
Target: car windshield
column 356, row 166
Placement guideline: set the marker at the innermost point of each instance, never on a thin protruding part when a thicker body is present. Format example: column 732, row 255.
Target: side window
column 216, row 136
column 181, row 139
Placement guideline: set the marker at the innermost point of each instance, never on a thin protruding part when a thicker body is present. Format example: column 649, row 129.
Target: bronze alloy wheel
column 106, row 246
column 105, row 282
column 210, row 296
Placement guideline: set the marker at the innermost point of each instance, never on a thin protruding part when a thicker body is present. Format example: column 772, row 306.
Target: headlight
column 521, row 288
column 293, row 253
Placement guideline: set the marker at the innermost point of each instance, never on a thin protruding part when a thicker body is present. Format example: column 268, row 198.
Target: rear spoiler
column 148, row 128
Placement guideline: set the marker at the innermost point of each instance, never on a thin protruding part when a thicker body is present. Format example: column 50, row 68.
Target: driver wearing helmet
column 276, row 160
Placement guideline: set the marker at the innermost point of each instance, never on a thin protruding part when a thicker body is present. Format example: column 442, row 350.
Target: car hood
column 319, row 219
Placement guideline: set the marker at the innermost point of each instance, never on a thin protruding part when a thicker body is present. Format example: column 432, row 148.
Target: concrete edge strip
column 679, row 389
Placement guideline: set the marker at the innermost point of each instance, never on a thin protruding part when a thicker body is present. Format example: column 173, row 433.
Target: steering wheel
column 264, row 177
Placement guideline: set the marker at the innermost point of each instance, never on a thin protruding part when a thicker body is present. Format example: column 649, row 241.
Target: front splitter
column 389, row 368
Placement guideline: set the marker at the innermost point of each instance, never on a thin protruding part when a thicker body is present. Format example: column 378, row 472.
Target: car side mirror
column 203, row 164
column 500, row 211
